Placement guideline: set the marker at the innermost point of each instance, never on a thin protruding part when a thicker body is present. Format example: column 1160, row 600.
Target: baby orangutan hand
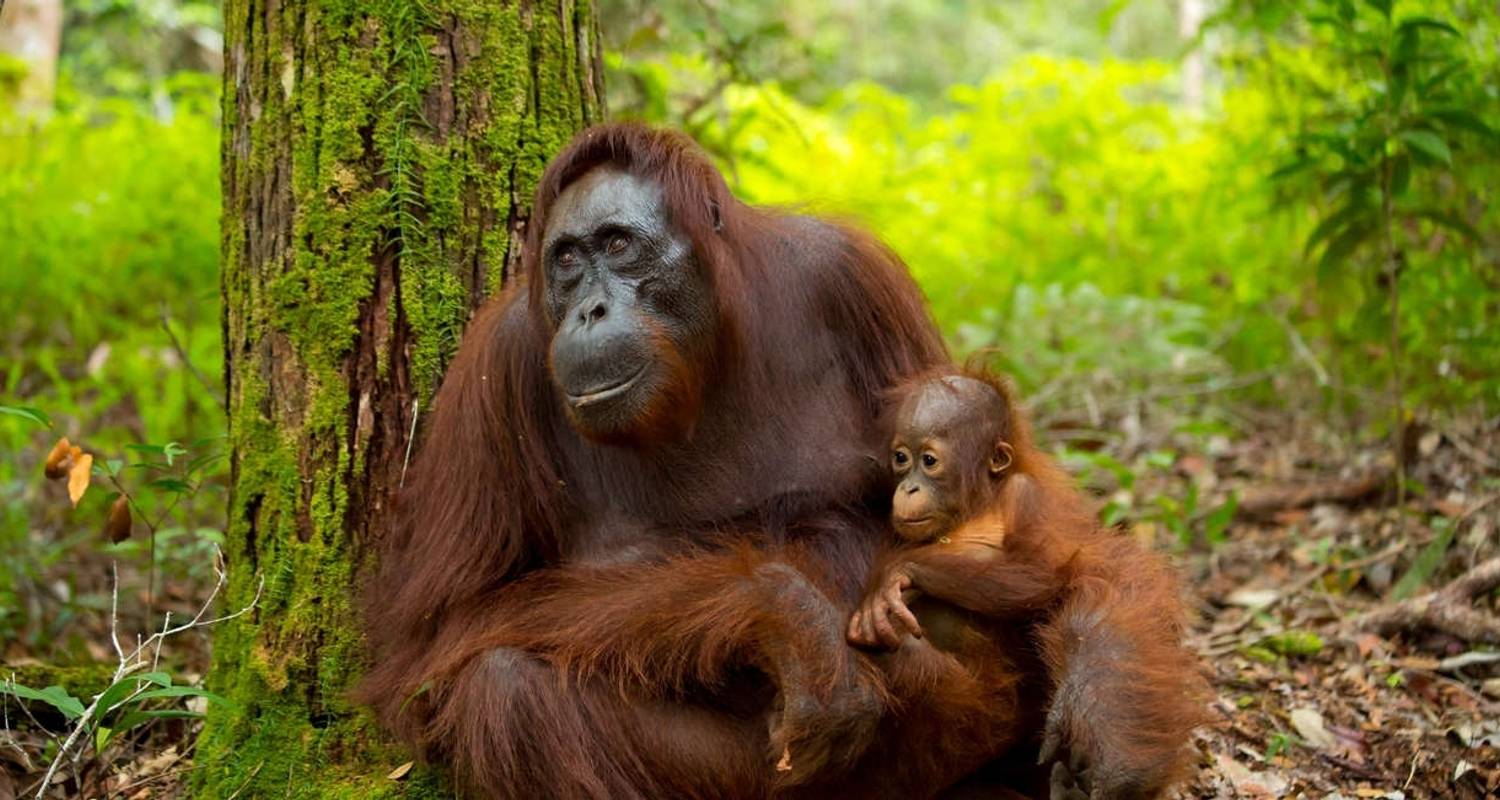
column 883, row 619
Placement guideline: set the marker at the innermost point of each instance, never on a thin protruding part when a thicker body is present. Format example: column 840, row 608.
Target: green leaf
column 27, row 412
column 55, row 696
column 1448, row 220
column 1424, row 564
column 184, row 691
column 1287, row 170
column 1216, row 524
column 1294, row 643
column 1400, row 175
column 171, row 485
column 136, row 718
column 1464, row 119
column 101, row 737
column 1429, row 23
column 1383, row 6
column 117, row 691
column 158, row 678
column 1341, row 246
column 1356, row 210
column 1427, row 143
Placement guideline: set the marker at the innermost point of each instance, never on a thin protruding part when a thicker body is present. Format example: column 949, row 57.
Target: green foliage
column 1396, row 166
column 127, row 703
column 1055, row 174
column 109, row 290
column 1427, row 561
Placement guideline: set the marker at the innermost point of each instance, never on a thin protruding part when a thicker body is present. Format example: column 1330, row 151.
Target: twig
column 1446, row 610
column 134, row 661
column 1473, row 658
column 213, row 391
column 1309, row 579
column 1300, row 348
column 1474, row 453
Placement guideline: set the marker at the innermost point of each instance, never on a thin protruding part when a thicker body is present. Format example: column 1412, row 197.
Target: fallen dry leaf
column 78, row 476
column 1309, row 725
column 399, row 772
column 1248, row 783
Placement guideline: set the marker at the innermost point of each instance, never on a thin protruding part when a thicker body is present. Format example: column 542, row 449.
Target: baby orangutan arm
column 956, row 569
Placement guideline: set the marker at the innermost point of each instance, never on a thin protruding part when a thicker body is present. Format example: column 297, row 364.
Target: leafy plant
column 1387, row 162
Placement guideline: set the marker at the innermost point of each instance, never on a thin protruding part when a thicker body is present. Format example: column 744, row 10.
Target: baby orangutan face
column 948, row 455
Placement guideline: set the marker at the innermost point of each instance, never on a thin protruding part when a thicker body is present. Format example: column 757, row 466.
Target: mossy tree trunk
column 378, row 161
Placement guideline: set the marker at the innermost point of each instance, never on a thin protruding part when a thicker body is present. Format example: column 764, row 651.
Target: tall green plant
column 1385, row 158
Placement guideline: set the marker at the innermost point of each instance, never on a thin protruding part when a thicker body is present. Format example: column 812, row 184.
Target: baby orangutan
column 963, row 486
column 1004, row 573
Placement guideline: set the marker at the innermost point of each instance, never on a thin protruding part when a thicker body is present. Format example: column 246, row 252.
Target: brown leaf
column 117, row 527
column 78, row 476
column 399, row 772
column 58, row 460
column 1366, row 643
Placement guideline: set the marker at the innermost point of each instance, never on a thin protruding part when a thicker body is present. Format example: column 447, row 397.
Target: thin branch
column 134, row 660
column 213, row 391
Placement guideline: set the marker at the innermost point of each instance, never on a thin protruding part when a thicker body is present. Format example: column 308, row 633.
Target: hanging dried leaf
column 117, row 527
column 58, row 460
column 78, row 476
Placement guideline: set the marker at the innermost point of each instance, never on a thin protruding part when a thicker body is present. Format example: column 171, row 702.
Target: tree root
column 1449, row 609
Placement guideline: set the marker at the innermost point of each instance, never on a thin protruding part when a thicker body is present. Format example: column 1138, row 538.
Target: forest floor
column 1314, row 699
column 1310, row 698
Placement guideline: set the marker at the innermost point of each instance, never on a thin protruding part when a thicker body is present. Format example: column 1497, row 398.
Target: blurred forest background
column 1220, row 246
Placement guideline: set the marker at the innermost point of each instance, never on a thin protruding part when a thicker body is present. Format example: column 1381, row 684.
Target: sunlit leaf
column 26, row 412
column 59, row 460
column 79, row 475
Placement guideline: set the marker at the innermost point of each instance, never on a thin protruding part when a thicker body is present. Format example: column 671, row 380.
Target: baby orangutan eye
column 900, row 458
column 929, row 460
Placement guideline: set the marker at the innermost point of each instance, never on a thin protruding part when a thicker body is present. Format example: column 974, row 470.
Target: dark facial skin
column 630, row 307
column 946, row 450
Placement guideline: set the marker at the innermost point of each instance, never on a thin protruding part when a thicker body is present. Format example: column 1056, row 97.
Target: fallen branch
column 1448, row 609
column 1263, row 501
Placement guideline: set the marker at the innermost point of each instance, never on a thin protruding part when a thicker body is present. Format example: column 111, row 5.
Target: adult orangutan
column 649, row 494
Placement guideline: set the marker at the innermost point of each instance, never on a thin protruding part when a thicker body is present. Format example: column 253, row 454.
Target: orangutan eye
column 929, row 460
column 616, row 244
column 900, row 457
column 567, row 257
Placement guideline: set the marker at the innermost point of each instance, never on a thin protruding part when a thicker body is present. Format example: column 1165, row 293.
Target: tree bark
column 31, row 33
column 379, row 158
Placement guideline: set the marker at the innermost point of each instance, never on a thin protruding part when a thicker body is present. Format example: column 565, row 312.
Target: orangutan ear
column 713, row 208
column 1001, row 459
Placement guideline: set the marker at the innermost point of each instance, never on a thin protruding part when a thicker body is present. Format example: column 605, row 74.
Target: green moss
column 335, row 164
column 81, row 680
